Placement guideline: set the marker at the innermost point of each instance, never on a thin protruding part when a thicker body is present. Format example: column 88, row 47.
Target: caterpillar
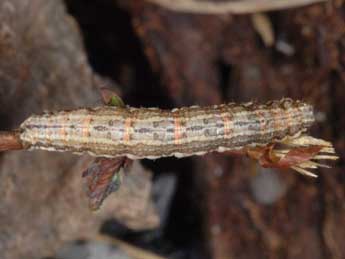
column 153, row 133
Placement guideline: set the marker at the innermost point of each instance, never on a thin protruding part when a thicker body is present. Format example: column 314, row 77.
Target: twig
column 9, row 140
column 237, row 7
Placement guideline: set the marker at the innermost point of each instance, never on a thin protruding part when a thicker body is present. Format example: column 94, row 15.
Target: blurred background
column 165, row 53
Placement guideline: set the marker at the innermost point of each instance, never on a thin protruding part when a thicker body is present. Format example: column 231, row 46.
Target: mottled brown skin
column 153, row 133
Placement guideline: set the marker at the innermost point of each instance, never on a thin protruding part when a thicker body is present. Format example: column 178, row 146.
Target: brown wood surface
column 206, row 59
column 189, row 59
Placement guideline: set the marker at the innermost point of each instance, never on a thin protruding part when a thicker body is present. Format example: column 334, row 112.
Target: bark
column 199, row 59
column 208, row 59
column 43, row 66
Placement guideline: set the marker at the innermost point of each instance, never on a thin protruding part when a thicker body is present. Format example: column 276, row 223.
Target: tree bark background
column 169, row 59
column 208, row 59
column 43, row 66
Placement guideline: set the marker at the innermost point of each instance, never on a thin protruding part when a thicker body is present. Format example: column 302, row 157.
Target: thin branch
column 234, row 7
column 9, row 140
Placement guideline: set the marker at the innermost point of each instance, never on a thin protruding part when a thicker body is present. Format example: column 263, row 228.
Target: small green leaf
column 110, row 98
column 116, row 101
